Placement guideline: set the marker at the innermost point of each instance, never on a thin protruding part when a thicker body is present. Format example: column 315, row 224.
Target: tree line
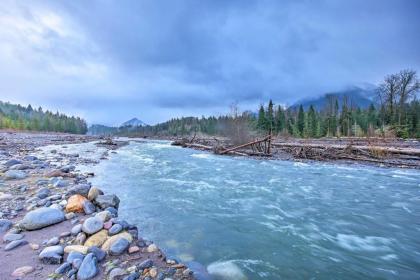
column 27, row 118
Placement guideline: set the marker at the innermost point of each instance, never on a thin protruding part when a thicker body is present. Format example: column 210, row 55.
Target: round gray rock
column 89, row 268
column 92, row 225
column 42, row 217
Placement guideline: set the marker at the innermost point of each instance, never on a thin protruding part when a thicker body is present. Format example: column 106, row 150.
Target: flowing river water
column 261, row 219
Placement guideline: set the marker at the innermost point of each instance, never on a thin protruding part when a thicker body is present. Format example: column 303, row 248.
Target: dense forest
column 395, row 112
column 26, row 118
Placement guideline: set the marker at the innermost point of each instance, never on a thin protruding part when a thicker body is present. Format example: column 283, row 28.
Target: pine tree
column 300, row 120
column 262, row 122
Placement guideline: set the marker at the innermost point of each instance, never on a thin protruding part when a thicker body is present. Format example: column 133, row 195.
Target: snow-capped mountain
column 133, row 122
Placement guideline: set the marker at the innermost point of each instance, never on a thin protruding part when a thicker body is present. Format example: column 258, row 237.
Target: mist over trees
column 27, row 118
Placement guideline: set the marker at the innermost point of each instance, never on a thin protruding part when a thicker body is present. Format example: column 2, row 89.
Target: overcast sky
column 108, row 61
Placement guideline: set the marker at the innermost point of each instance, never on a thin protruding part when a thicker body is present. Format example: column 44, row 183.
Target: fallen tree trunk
column 243, row 146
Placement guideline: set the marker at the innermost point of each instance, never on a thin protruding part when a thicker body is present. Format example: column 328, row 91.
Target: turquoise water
column 260, row 219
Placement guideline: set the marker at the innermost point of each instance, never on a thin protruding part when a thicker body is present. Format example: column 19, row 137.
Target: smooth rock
column 99, row 254
column 132, row 276
column 115, row 229
column 64, row 268
column 107, row 225
column 12, row 162
column 81, row 238
column 82, row 189
column 76, row 248
column 113, row 211
column 52, row 255
column 116, row 272
column 153, row 272
column 14, row 244
column 97, row 239
column 5, row 225
column 92, row 225
column 5, row 196
column 73, row 256
column 53, row 241
column 104, row 216
column 75, row 203
column 152, row 248
column 14, row 175
column 94, row 192
column 145, row 264
column 42, row 217
column 119, row 247
column 108, row 243
column 22, row 271
column 77, row 263
column 88, row 207
column 12, row 237
column 76, row 229
column 43, row 193
column 133, row 249
column 34, row 246
column 61, row 183
column 89, row 268
column 104, row 201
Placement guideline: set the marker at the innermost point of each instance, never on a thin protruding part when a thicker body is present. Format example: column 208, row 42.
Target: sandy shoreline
column 77, row 216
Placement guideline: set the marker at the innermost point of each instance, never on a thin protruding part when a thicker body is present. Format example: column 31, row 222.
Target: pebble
column 153, row 272
column 12, row 162
column 104, row 216
column 14, row 244
column 5, row 225
column 92, row 225
column 70, row 216
column 81, row 238
column 88, row 269
column 132, row 276
column 34, row 246
column 64, row 268
column 110, row 200
column 53, row 241
column 152, row 248
column 119, row 247
column 145, row 264
column 88, row 207
column 76, row 248
column 22, row 271
column 76, row 229
column 108, row 225
column 42, row 217
column 133, row 249
column 43, row 193
column 12, row 237
column 52, row 255
column 116, row 272
column 97, row 239
column 74, row 256
column 117, row 228
column 99, row 253
column 14, row 175
column 65, row 234
column 77, row 263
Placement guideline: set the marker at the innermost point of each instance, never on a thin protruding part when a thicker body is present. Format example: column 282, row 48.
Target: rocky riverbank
column 55, row 225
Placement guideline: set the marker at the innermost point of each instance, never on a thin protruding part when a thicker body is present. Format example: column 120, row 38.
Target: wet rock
column 133, row 249
column 75, row 203
column 145, row 264
column 12, row 162
column 41, row 218
column 73, row 256
column 14, row 175
column 14, row 244
column 88, row 207
column 53, row 241
column 92, row 225
column 104, row 216
column 116, row 272
column 115, row 229
column 113, row 211
column 119, row 247
column 52, row 255
column 82, row 189
column 89, row 268
column 94, row 192
column 76, row 248
column 12, row 237
column 152, row 248
column 99, row 254
column 76, row 229
column 5, row 225
column 22, row 271
column 64, row 268
column 60, row 183
column 97, row 239
column 104, row 201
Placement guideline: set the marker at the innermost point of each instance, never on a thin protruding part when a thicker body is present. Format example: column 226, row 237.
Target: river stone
column 152, row 248
column 12, row 162
column 12, row 237
column 42, row 217
column 89, row 268
column 110, row 200
column 88, row 207
column 14, row 244
column 5, row 196
column 60, row 183
column 64, row 268
column 82, row 189
column 108, row 243
column 76, row 248
column 5, row 225
column 97, row 239
column 94, row 192
column 22, row 271
column 113, row 211
column 75, row 203
column 115, row 229
column 119, row 247
column 53, row 241
column 133, row 276
column 92, row 225
column 77, row 263
column 99, row 254
column 43, row 193
column 73, row 256
column 52, row 255
column 76, row 229
column 30, row 158
column 145, row 264
column 67, row 168
column 81, row 238
column 104, row 216
column 116, row 272
column 14, row 175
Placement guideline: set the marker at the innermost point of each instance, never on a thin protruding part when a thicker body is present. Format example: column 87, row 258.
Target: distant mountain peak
column 133, row 122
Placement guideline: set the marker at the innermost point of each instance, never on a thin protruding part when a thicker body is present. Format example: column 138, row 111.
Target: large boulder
column 14, row 175
column 75, row 203
column 42, row 217
column 108, row 200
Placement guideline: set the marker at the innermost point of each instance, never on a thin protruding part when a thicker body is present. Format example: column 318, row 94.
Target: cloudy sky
column 109, row 61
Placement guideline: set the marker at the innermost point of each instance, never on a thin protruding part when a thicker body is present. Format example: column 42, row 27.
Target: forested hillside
column 26, row 118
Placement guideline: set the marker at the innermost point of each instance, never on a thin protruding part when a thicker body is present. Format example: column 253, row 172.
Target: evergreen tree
column 300, row 120
column 262, row 122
